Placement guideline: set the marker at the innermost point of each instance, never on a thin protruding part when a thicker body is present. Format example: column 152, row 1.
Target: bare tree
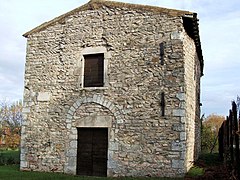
column 10, row 123
column 11, row 114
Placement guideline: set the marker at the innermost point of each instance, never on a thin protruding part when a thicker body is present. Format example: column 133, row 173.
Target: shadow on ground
column 212, row 166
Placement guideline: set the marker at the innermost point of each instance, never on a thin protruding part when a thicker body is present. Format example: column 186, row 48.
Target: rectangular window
column 94, row 70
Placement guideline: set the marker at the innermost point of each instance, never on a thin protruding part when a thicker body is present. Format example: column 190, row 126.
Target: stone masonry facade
column 138, row 76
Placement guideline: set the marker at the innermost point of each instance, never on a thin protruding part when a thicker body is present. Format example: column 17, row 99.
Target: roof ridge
column 95, row 4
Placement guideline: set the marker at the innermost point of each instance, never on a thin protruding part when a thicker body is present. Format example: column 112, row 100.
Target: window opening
column 93, row 70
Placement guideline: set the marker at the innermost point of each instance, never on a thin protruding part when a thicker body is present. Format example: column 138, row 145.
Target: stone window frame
column 90, row 51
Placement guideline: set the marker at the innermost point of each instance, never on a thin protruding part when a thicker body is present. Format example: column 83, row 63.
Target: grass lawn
column 11, row 172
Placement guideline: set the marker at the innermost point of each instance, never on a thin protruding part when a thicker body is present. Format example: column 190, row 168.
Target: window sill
column 94, row 88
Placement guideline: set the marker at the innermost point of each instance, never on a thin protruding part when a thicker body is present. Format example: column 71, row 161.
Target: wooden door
column 92, row 151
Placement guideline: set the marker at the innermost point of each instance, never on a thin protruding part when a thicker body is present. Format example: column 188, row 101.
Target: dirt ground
column 215, row 172
column 213, row 169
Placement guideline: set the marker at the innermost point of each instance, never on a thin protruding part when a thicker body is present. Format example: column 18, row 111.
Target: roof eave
column 190, row 23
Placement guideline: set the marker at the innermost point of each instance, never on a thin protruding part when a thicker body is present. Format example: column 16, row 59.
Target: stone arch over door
column 105, row 120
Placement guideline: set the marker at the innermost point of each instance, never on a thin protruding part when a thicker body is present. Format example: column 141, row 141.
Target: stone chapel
column 113, row 89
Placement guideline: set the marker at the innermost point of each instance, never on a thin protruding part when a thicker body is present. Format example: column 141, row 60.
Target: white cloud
column 219, row 32
column 16, row 18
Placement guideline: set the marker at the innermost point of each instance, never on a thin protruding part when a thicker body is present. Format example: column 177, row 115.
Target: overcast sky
column 219, row 32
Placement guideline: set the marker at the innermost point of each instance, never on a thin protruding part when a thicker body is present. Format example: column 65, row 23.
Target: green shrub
column 9, row 157
column 210, row 159
column 208, row 139
column 195, row 171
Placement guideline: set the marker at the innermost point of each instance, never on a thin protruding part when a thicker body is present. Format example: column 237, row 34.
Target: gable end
column 97, row 4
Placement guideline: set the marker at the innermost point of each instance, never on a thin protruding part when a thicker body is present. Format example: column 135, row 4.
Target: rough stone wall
column 192, row 103
column 198, row 122
column 141, row 141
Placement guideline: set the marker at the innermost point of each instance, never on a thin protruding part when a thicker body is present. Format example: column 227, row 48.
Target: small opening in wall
column 163, row 103
column 162, row 44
